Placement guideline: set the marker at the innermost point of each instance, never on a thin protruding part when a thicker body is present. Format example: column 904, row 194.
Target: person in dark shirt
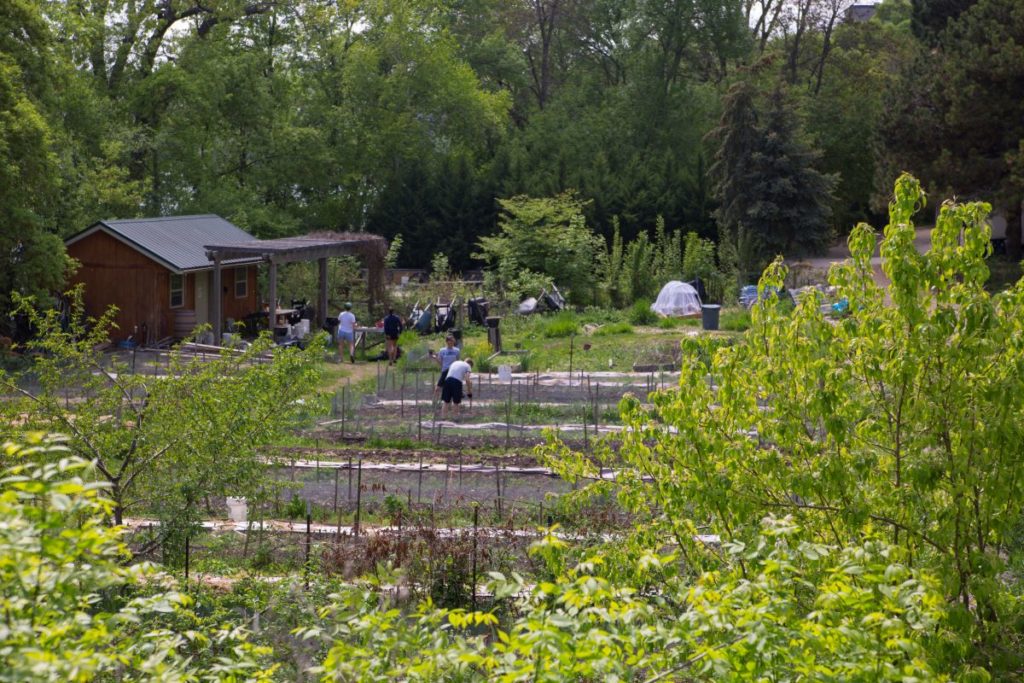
column 392, row 328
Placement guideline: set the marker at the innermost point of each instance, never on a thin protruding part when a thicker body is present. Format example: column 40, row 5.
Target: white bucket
column 238, row 509
column 505, row 374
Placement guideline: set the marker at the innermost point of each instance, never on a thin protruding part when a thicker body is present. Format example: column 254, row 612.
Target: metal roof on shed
column 175, row 241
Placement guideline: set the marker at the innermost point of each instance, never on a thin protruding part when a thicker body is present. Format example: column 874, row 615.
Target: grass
column 734, row 320
column 613, row 328
column 562, row 325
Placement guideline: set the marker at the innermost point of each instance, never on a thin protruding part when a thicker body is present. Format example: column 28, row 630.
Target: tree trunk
column 1013, row 229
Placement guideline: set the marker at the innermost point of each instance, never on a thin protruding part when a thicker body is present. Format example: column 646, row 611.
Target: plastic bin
column 709, row 316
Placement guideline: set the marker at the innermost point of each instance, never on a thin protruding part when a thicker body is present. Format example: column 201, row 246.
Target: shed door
column 202, row 281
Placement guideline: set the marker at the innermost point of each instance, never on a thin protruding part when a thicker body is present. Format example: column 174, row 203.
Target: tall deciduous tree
column 32, row 258
column 958, row 121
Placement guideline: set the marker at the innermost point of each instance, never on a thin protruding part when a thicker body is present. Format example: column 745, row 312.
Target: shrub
column 562, row 325
column 736, row 320
column 613, row 328
column 641, row 313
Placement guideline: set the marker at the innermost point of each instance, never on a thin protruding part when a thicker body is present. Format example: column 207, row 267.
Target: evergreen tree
column 790, row 204
column 770, row 192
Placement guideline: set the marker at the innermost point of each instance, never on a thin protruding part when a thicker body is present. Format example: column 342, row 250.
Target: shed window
column 177, row 290
column 241, row 283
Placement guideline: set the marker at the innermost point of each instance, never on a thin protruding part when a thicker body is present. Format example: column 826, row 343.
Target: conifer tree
column 788, row 200
column 772, row 199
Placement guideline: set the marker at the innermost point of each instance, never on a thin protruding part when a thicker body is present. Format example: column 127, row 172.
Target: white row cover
column 677, row 299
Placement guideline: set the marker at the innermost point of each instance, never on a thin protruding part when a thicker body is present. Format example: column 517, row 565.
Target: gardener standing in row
column 446, row 356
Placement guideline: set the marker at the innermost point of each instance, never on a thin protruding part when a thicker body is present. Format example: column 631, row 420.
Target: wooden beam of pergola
column 292, row 249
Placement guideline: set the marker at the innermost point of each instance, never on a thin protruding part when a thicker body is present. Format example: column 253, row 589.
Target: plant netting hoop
column 677, row 299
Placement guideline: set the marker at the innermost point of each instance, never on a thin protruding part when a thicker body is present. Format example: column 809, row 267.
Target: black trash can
column 709, row 316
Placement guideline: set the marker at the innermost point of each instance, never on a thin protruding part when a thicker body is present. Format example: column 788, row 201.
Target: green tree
column 32, row 257
column 73, row 610
column 761, row 172
column 545, row 237
column 779, row 607
column 955, row 122
column 865, row 428
column 166, row 441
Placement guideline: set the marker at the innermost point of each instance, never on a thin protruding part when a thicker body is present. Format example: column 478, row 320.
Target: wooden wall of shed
column 234, row 307
column 115, row 274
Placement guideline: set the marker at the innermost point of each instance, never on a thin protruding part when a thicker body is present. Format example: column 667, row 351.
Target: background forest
column 415, row 117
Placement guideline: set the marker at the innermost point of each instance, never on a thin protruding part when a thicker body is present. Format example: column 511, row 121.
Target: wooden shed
column 156, row 271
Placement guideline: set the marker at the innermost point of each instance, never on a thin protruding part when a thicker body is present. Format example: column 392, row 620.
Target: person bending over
column 455, row 384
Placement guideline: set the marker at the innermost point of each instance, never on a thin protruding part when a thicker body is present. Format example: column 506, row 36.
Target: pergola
column 318, row 247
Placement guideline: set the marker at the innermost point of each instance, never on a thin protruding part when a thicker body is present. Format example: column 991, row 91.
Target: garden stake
column 508, row 417
column 572, row 339
column 460, row 471
column 378, row 377
column 309, row 537
column 187, row 555
column 476, row 527
column 497, row 485
column 348, row 499
column 344, row 403
column 359, row 496
column 336, row 473
column 419, row 483
column 337, row 512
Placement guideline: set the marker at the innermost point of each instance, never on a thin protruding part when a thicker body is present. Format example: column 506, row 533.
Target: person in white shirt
column 347, row 333
column 451, row 392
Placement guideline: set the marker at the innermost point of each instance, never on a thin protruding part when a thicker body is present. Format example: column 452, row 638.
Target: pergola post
column 321, row 308
column 218, row 305
column 272, row 294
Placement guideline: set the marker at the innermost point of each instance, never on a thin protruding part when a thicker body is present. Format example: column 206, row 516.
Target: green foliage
column 562, row 325
column 863, row 429
column 394, row 250
column 32, row 258
column 439, row 267
column 769, row 189
column 641, row 313
column 951, row 117
column 614, row 328
column 172, row 440
column 73, row 610
column 548, row 238
column 734, row 320
column 858, row 614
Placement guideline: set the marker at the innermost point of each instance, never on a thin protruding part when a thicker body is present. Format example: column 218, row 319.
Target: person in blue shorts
column 445, row 357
